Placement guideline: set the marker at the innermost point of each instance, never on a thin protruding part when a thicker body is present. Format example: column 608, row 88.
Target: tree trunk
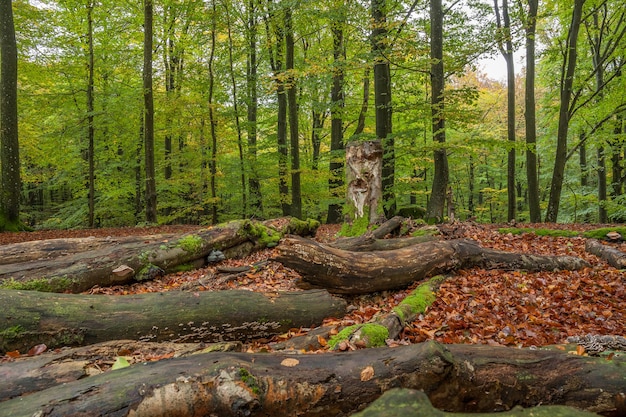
column 90, row 119
column 402, row 402
column 382, row 100
column 30, row 318
column 99, row 263
column 613, row 256
column 347, row 272
column 566, row 87
column 364, row 171
column 148, row 133
column 455, row 378
column 437, row 80
column 10, row 181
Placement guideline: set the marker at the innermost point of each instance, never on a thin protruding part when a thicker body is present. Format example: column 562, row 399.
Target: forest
column 241, row 109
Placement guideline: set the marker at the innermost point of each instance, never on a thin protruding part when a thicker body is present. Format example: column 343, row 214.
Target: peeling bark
column 350, row 272
column 455, row 378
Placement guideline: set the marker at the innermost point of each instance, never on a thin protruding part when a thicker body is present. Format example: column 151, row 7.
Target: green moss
column 416, row 302
column 183, row 268
column 249, row 379
column 12, row 332
column 601, row 233
column 190, row 243
column 539, row 232
column 374, row 334
column 302, row 227
column 56, row 284
column 261, row 233
column 359, row 226
column 149, row 272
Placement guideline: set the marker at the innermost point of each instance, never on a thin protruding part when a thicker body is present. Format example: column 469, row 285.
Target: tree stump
column 364, row 178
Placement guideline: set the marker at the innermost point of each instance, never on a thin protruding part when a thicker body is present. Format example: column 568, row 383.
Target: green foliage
column 57, row 284
column 359, row 226
column 120, row 362
column 601, row 233
column 12, row 332
column 539, row 232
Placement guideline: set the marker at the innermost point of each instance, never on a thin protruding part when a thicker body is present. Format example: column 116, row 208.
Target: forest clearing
column 493, row 308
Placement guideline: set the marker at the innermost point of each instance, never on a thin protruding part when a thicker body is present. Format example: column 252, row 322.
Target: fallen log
column 138, row 259
column 400, row 402
column 368, row 243
column 613, row 256
column 456, row 378
column 28, row 374
column 350, row 272
column 29, row 318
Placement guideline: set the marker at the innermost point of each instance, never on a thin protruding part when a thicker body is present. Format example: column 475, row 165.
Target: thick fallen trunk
column 368, row 243
column 29, row 318
column 400, row 402
column 350, row 272
column 455, row 378
column 138, row 259
column 613, row 256
column 36, row 373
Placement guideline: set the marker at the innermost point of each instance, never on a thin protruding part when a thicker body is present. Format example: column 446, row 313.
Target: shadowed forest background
column 254, row 101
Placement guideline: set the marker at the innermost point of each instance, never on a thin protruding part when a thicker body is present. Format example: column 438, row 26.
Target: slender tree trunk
column 10, row 181
column 170, row 85
column 437, row 80
column 233, row 82
column 90, row 117
column 567, row 82
column 530, row 114
column 254, row 185
column 213, row 120
column 151, row 197
column 138, row 182
column 617, row 160
column 382, row 99
column 505, row 44
column 582, row 158
column 292, row 99
column 602, row 189
column 337, row 97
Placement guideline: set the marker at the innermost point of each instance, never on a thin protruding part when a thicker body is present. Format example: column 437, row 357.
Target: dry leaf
column 290, row 362
column 322, row 341
column 580, row 350
column 367, row 374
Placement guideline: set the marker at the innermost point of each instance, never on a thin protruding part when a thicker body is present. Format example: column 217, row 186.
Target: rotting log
column 462, row 378
column 29, row 318
column 28, row 374
column 368, row 243
column 613, row 256
column 350, row 272
column 138, row 259
column 400, row 402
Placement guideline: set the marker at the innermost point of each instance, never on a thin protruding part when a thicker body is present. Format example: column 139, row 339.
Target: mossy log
column 459, row 378
column 613, row 256
column 351, row 272
column 121, row 261
column 400, row 402
column 29, row 318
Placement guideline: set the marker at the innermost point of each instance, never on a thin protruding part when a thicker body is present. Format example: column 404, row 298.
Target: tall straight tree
column 292, row 100
column 505, row 44
column 90, row 116
column 213, row 117
column 437, row 199
column 382, row 101
column 10, row 183
column 567, row 80
column 337, row 106
column 530, row 119
column 254, row 185
column 148, row 98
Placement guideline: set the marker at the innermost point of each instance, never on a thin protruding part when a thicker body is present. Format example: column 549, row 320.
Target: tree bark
column 348, row 272
column 148, row 97
column 613, row 256
column 400, row 402
column 96, row 263
column 364, row 178
column 30, row 318
column 455, row 378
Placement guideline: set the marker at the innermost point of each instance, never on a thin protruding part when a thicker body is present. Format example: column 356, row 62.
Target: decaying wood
column 368, row 243
column 456, row 378
column 35, row 373
column 350, row 272
column 613, row 256
column 364, row 179
column 91, row 266
column 400, row 402
column 29, row 318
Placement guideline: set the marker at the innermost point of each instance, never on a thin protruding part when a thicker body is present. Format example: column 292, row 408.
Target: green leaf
column 120, row 362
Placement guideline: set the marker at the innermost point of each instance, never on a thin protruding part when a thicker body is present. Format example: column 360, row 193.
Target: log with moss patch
column 459, row 378
column 121, row 261
column 351, row 272
column 29, row 318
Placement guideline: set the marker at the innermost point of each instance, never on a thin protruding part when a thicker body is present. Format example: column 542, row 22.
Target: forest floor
column 495, row 307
